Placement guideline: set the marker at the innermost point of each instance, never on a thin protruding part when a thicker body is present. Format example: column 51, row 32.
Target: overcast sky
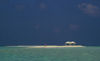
column 36, row 22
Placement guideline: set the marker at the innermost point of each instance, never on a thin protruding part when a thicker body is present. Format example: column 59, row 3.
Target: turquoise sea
column 50, row 54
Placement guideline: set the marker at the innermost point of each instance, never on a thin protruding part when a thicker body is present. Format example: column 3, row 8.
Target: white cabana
column 70, row 43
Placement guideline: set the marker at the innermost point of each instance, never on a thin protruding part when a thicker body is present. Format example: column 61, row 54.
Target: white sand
column 54, row 46
column 49, row 46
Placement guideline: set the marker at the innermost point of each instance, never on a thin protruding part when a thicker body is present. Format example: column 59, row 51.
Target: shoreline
column 49, row 46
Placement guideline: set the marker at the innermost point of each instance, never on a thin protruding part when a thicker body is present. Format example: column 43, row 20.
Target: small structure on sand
column 70, row 43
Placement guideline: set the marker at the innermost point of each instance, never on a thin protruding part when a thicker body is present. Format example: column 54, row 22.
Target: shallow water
column 50, row 54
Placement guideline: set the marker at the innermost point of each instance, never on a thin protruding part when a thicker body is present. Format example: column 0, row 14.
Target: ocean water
column 50, row 54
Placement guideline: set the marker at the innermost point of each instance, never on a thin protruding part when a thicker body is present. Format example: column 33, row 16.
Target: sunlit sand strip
column 53, row 46
column 49, row 46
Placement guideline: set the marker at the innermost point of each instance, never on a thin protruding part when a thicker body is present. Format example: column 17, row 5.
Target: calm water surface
column 50, row 54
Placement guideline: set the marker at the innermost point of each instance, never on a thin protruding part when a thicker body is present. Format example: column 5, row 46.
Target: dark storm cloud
column 42, row 5
column 37, row 26
column 90, row 9
column 35, row 21
column 20, row 7
column 74, row 27
column 57, row 30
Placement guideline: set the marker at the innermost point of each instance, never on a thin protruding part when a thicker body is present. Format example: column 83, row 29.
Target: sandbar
column 54, row 46
column 49, row 46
